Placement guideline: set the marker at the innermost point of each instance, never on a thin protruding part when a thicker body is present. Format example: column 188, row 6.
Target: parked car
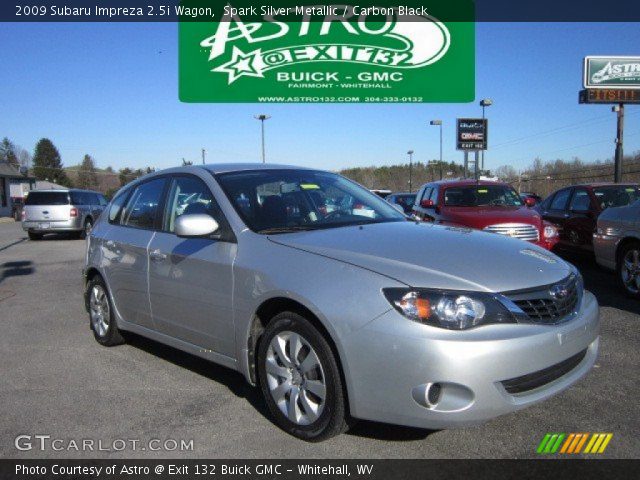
column 324, row 312
column 404, row 200
column 484, row 205
column 53, row 211
column 382, row 193
column 575, row 210
column 535, row 197
column 616, row 244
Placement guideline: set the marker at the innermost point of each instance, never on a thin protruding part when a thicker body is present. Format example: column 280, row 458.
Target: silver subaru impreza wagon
column 332, row 302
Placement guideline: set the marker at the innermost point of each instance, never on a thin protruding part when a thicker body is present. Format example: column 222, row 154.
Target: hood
column 434, row 256
column 481, row 217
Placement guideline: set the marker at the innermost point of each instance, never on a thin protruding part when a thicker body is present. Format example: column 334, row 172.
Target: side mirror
column 427, row 204
column 196, row 225
column 530, row 202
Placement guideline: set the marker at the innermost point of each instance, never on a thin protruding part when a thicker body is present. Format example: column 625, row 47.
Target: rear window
column 47, row 198
column 616, row 196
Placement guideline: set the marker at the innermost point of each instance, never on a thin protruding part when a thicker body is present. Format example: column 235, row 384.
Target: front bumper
column 44, row 226
column 391, row 361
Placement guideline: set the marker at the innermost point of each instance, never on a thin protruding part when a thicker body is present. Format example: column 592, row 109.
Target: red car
column 490, row 206
column 575, row 210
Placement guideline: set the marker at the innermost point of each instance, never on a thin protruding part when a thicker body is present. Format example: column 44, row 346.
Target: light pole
column 262, row 118
column 439, row 124
column 410, row 153
column 485, row 102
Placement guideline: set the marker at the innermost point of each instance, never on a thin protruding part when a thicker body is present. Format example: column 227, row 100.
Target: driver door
column 191, row 279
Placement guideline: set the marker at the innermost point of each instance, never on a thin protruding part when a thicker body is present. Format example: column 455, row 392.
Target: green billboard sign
column 612, row 72
column 329, row 54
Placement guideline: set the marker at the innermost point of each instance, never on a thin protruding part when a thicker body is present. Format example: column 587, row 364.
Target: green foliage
column 47, row 164
column 87, row 176
column 8, row 153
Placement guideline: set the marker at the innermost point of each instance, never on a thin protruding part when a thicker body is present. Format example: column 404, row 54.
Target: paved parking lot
column 56, row 380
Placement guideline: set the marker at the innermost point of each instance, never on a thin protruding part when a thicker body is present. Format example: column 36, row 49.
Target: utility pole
column 203, row 155
column 439, row 123
column 619, row 109
column 262, row 118
column 410, row 153
column 485, row 102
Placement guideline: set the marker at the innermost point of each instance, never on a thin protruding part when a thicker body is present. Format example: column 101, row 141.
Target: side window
column 76, row 198
column 580, row 202
column 188, row 195
column 102, row 201
column 143, row 208
column 117, row 205
column 419, row 196
column 427, row 193
column 434, row 195
column 560, row 200
column 547, row 202
column 94, row 198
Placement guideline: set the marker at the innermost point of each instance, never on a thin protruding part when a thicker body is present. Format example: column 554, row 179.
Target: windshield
column 47, row 198
column 281, row 201
column 616, row 196
column 482, row 195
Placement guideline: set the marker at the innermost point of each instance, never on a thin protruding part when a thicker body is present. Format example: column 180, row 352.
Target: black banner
column 178, row 469
column 445, row 10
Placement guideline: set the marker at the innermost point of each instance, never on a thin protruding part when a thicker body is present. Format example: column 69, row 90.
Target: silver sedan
column 616, row 244
column 334, row 304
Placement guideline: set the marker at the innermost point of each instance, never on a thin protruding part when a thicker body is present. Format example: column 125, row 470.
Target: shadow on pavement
column 237, row 384
column 16, row 269
column 601, row 282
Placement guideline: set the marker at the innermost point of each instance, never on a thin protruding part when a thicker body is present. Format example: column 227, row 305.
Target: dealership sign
column 612, row 72
column 472, row 134
column 329, row 53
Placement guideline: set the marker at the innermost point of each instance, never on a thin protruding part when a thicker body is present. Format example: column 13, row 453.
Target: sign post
column 472, row 136
column 612, row 80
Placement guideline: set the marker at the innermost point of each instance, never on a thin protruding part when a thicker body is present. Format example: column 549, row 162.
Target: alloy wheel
column 631, row 271
column 99, row 310
column 295, row 378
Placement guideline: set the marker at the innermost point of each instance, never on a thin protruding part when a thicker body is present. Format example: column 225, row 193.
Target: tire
column 34, row 236
column 101, row 318
column 628, row 270
column 86, row 229
column 312, row 417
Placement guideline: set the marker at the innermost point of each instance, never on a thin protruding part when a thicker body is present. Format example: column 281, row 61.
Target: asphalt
column 56, row 380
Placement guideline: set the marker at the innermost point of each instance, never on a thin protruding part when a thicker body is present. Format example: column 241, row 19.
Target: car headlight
column 550, row 231
column 448, row 309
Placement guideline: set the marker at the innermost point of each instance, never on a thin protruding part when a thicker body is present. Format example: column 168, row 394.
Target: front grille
column 544, row 307
column 537, row 379
column 522, row 231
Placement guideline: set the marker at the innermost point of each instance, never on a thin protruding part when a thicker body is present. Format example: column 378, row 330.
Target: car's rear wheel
column 629, row 269
column 102, row 320
column 34, row 236
column 300, row 379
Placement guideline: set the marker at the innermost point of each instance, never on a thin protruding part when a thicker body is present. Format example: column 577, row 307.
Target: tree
column 125, row 175
column 8, row 153
column 87, row 176
column 47, row 164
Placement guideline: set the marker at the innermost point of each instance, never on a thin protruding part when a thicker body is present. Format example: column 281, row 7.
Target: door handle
column 157, row 256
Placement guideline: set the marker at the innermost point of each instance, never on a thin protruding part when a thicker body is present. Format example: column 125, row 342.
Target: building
column 9, row 177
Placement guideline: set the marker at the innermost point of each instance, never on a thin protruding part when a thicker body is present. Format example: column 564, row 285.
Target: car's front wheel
column 102, row 320
column 629, row 269
column 300, row 379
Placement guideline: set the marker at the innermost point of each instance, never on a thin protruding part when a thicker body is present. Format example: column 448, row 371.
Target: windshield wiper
column 295, row 228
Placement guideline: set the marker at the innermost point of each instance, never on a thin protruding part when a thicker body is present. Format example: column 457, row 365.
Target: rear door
column 126, row 251
column 47, row 206
column 558, row 213
column 190, row 279
column 580, row 225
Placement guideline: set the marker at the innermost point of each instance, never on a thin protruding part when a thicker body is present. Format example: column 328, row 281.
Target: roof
column 238, row 167
column 47, row 185
column 462, row 182
column 607, row 184
column 8, row 170
column 403, row 193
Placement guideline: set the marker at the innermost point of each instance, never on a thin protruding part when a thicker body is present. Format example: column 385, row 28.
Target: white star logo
column 241, row 65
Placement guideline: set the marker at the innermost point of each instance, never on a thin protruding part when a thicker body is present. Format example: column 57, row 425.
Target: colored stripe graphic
column 573, row 443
